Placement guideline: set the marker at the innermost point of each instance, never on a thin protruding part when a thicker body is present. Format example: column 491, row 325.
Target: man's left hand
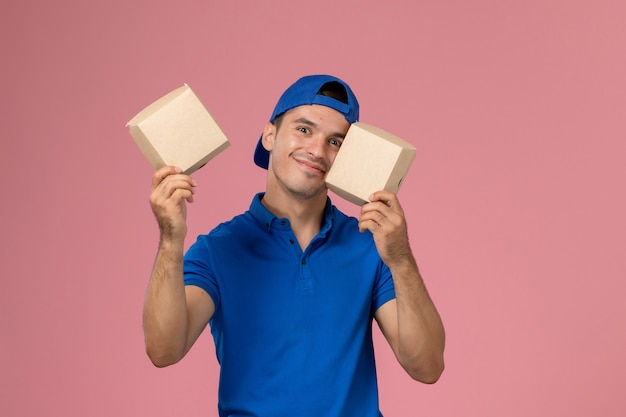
column 384, row 218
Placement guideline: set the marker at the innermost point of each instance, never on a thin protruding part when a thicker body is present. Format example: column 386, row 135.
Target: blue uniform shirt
column 292, row 329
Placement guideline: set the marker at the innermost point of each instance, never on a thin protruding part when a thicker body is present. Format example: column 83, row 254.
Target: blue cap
column 306, row 91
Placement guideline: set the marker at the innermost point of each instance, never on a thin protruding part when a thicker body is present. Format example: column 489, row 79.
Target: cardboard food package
column 369, row 160
column 178, row 130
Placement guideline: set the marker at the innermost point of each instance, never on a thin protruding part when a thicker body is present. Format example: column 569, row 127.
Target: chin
column 309, row 192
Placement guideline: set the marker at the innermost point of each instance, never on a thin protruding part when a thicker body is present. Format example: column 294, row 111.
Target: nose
column 315, row 146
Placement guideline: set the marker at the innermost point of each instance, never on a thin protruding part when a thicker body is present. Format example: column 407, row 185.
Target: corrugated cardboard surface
column 369, row 160
column 177, row 129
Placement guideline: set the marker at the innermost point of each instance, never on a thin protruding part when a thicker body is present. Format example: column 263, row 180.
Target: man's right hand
column 171, row 189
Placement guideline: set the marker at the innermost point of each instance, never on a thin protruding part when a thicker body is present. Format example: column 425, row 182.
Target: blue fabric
column 292, row 329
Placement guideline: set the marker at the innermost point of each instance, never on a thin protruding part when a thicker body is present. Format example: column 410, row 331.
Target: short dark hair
column 336, row 90
column 332, row 89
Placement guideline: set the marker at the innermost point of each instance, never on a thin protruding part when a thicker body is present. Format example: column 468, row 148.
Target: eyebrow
column 305, row 121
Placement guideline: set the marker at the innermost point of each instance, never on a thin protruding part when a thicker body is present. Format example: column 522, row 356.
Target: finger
column 375, row 224
column 370, row 225
column 181, row 194
column 167, row 174
column 372, row 215
column 385, row 220
column 374, row 207
column 165, row 204
column 390, row 201
column 171, row 191
column 383, row 196
column 171, row 184
column 162, row 173
column 372, row 221
column 379, row 210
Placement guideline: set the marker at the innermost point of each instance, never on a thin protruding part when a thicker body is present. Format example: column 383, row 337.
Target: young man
column 290, row 287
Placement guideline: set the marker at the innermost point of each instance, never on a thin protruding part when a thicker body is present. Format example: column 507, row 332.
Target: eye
column 335, row 142
column 303, row 129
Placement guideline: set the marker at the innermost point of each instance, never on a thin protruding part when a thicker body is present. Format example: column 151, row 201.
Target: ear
column 269, row 134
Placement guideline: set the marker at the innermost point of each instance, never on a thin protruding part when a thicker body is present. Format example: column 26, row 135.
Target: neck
column 304, row 215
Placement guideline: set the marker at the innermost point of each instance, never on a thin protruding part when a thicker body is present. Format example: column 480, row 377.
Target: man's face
column 304, row 148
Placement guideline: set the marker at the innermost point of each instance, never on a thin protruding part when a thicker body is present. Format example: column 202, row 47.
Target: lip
column 311, row 166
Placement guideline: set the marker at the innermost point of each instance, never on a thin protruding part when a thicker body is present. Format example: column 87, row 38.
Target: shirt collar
column 268, row 219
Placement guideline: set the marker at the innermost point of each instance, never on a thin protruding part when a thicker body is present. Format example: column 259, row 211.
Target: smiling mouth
column 311, row 166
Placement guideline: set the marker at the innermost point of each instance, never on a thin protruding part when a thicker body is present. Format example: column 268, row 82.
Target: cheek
column 283, row 146
column 332, row 155
column 289, row 143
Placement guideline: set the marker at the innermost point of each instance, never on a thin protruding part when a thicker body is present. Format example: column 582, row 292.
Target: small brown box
column 369, row 160
column 178, row 130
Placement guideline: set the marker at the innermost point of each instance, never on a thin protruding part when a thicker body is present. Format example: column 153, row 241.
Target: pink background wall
column 516, row 200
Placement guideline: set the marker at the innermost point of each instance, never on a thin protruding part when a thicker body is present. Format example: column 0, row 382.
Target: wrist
column 403, row 264
column 171, row 243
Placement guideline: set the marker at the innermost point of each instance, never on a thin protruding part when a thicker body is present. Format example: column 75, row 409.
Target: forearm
column 421, row 336
column 165, row 315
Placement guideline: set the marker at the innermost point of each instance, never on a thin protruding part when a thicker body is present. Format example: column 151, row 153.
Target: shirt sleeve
column 199, row 268
column 383, row 290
